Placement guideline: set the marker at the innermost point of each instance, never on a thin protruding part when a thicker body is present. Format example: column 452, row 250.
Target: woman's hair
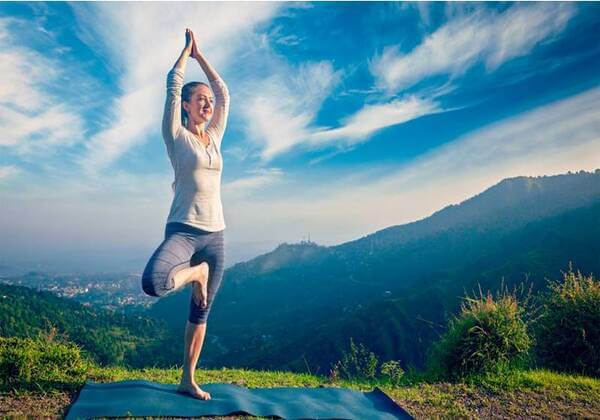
column 186, row 94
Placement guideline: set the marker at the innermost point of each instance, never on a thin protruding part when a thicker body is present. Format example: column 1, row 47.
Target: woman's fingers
column 189, row 42
column 193, row 51
column 194, row 45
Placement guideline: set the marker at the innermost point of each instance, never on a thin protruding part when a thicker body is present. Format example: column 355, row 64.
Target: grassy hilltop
column 536, row 393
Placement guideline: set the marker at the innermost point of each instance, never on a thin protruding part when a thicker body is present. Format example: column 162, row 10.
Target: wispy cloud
column 277, row 107
column 423, row 9
column 33, row 120
column 556, row 138
column 133, row 114
column 289, row 40
column 281, row 107
column 7, row 171
column 132, row 47
column 281, row 111
column 255, row 181
column 362, row 124
column 35, row 133
column 278, row 103
column 482, row 36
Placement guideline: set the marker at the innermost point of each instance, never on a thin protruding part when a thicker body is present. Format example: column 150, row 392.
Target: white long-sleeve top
column 197, row 185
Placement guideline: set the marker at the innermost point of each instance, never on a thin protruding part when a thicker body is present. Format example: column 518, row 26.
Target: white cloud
column 32, row 123
column 257, row 180
column 362, row 124
column 280, row 108
column 22, row 70
column 134, row 114
column 482, row 36
column 141, row 42
column 289, row 40
column 8, row 171
column 552, row 139
column 423, row 9
column 36, row 133
column 276, row 101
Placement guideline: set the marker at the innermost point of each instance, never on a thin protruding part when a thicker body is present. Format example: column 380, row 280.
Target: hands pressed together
column 191, row 50
column 190, row 44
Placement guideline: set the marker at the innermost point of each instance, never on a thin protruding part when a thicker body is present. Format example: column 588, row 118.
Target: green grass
column 416, row 395
column 42, row 378
column 557, row 384
column 540, row 393
column 554, row 384
column 247, row 378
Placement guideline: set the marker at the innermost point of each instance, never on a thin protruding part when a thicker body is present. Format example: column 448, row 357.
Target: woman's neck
column 196, row 128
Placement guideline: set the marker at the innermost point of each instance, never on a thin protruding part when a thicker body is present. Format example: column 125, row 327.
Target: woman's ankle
column 186, row 379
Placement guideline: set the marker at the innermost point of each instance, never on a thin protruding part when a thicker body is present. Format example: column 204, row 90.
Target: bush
column 27, row 361
column 568, row 329
column 487, row 337
column 359, row 363
column 392, row 372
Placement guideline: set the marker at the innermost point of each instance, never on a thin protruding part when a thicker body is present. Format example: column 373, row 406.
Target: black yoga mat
column 145, row 398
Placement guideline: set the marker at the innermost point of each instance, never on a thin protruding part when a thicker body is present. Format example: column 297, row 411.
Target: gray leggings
column 185, row 246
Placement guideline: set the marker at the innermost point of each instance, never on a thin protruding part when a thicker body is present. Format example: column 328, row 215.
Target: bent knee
column 155, row 283
column 148, row 287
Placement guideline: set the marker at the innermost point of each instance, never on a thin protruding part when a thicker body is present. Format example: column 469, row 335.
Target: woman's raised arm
column 219, row 120
column 171, row 123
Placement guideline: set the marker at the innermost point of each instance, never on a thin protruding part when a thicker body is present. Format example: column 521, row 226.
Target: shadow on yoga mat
column 144, row 398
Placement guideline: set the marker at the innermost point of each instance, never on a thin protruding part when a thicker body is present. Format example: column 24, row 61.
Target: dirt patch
column 461, row 401
column 52, row 405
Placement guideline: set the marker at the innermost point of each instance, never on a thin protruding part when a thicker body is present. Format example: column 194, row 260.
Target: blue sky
column 345, row 118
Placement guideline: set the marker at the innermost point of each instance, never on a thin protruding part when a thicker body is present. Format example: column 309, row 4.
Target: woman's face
column 201, row 105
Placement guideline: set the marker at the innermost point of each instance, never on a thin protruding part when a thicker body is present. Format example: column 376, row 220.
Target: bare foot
column 194, row 390
column 200, row 286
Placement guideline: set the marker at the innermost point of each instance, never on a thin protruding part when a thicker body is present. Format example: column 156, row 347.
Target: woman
column 195, row 225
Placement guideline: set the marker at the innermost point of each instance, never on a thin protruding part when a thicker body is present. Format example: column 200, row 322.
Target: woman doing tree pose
column 195, row 224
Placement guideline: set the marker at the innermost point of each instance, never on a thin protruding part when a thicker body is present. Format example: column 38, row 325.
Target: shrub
column 392, row 371
column 487, row 337
column 358, row 363
column 568, row 329
column 26, row 361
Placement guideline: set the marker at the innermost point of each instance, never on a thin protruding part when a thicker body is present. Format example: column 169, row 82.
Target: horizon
column 99, row 268
column 323, row 128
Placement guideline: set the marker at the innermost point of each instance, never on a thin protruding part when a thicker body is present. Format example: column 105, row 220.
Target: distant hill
column 392, row 289
column 108, row 337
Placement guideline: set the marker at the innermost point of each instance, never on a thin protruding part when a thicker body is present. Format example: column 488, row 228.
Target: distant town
column 112, row 291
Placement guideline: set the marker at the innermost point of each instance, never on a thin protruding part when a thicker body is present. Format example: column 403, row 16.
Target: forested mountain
column 393, row 289
column 403, row 325
column 107, row 336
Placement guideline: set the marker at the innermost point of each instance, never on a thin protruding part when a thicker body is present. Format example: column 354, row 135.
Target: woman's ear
column 185, row 106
